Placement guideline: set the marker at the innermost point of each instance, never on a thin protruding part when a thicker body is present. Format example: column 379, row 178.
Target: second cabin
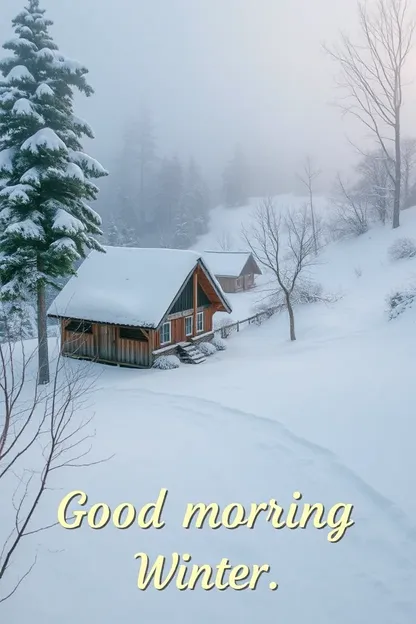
column 128, row 306
column 235, row 270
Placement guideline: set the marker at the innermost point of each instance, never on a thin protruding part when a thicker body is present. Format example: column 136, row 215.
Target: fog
column 212, row 73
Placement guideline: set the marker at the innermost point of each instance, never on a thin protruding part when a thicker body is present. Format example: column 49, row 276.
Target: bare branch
column 42, row 430
column 372, row 79
column 285, row 257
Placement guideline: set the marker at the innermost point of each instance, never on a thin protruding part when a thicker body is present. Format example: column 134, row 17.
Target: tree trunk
column 43, row 355
column 315, row 243
column 291, row 318
column 397, row 173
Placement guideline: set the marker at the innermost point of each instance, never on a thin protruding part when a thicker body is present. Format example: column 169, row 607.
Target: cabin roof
column 229, row 263
column 129, row 286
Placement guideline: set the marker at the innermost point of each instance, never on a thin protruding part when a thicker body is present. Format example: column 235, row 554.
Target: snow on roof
column 126, row 286
column 226, row 263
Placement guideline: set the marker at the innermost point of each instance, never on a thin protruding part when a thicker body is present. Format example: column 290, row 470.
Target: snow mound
column 207, row 348
column 6, row 160
column 167, row 362
column 18, row 73
column 44, row 90
column 45, row 138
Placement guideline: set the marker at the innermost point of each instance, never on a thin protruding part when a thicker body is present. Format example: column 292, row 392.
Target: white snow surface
column 23, row 106
column 17, row 192
column 87, row 162
column 6, row 160
column 27, row 229
column 67, row 223
column 331, row 416
column 20, row 72
column 126, row 286
column 44, row 89
column 226, row 263
column 31, row 176
column 44, row 138
column 74, row 171
column 21, row 42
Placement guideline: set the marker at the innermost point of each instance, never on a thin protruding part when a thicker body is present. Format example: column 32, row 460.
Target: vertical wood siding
column 105, row 345
column 77, row 345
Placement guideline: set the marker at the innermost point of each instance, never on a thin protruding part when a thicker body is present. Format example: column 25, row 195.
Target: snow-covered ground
column 331, row 416
column 225, row 233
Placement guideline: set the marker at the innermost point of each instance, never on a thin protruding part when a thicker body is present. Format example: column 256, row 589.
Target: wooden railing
column 226, row 330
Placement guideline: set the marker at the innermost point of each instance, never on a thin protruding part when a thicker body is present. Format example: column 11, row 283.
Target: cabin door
column 107, row 343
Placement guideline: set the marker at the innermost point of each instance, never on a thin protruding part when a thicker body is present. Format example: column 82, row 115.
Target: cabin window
column 200, row 322
column 189, row 321
column 79, row 327
column 239, row 282
column 165, row 333
column 132, row 333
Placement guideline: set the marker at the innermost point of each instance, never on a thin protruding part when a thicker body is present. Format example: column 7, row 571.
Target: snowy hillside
column 331, row 416
column 226, row 233
column 225, row 223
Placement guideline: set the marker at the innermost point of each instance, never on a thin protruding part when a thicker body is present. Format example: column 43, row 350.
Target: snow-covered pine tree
column 46, row 223
column 235, row 180
column 196, row 199
column 118, row 234
column 168, row 200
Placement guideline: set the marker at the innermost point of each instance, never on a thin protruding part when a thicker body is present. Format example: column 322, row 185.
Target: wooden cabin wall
column 228, row 284
column 77, row 345
column 178, row 327
column 134, row 352
column 105, row 345
column 248, row 281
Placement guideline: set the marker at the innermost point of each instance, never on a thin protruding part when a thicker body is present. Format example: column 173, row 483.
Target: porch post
column 195, row 307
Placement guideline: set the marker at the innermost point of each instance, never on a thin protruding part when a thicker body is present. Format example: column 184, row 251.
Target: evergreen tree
column 168, row 201
column 118, row 234
column 134, row 172
column 46, row 223
column 146, row 145
column 196, row 200
column 235, row 182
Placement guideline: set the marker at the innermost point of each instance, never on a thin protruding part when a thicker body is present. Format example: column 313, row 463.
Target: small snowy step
column 189, row 354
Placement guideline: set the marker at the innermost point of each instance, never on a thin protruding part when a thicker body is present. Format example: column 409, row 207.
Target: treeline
column 158, row 201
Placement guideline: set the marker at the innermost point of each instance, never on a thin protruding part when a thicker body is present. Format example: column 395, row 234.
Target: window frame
column 83, row 327
column 200, row 315
column 191, row 317
column 162, row 342
column 131, row 337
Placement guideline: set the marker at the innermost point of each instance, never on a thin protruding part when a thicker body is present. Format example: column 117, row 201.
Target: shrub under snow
column 167, row 362
column 400, row 301
column 218, row 343
column 207, row 348
column 402, row 248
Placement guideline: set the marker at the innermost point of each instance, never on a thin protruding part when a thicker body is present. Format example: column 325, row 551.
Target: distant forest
column 151, row 200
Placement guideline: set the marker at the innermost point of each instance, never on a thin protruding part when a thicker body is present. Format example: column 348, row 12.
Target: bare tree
column 375, row 185
column 42, row 431
column 372, row 76
column 286, row 257
column 225, row 241
column 409, row 163
column 351, row 212
column 310, row 173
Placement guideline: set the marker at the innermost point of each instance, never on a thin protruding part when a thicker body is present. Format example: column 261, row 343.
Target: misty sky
column 213, row 73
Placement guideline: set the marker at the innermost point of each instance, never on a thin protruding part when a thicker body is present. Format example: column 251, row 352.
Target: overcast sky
column 213, row 73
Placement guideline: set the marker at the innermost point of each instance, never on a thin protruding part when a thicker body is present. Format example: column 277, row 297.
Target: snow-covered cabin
column 235, row 270
column 128, row 306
